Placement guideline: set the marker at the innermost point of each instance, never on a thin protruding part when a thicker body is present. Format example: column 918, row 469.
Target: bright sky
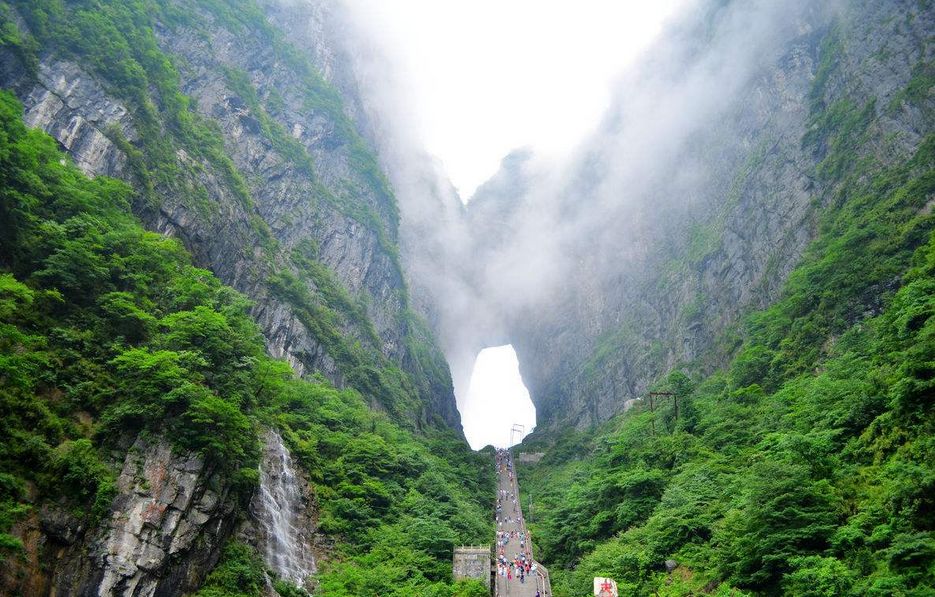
column 489, row 76
column 497, row 399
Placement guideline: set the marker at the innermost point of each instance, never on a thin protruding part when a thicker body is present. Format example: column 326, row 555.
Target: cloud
column 550, row 235
column 489, row 75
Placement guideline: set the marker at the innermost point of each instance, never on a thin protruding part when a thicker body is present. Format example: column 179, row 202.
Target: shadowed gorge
column 241, row 305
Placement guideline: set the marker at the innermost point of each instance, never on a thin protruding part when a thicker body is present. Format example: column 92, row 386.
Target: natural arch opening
column 497, row 399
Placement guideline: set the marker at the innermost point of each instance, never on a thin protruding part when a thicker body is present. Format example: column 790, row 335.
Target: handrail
column 543, row 583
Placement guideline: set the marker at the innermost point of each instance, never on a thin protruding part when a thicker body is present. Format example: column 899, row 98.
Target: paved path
column 510, row 521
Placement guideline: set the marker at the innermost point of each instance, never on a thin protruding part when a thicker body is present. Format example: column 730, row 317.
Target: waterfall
column 279, row 508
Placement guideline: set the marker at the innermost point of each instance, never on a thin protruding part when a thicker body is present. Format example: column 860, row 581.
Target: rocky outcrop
column 170, row 518
column 74, row 108
column 163, row 535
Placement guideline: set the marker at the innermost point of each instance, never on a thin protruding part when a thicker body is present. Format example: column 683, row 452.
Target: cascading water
column 279, row 507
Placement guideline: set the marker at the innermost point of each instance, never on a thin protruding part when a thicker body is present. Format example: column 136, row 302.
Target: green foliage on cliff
column 240, row 574
column 776, row 476
column 398, row 505
column 807, row 467
column 107, row 332
column 115, row 40
column 117, row 43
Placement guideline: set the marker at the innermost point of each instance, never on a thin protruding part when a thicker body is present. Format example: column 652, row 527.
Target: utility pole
column 652, row 420
column 517, row 428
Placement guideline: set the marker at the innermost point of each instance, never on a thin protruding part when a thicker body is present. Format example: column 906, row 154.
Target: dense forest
column 225, row 260
column 109, row 331
column 807, row 467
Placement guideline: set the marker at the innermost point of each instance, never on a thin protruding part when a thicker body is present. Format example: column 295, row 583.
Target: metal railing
column 543, row 583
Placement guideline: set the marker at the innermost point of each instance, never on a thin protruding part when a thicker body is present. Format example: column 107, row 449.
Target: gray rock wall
column 162, row 536
column 170, row 518
column 713, row 225
column 172, row 515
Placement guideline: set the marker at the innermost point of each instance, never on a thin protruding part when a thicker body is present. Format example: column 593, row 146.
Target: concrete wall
column 472, row 562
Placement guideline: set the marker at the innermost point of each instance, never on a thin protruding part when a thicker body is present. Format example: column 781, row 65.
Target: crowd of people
column 519, row 567
column 514, row 557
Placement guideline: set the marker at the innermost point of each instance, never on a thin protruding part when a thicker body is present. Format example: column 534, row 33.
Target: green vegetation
column 398, row 505
column 107, row 331
column 807, row 467
column 916, row 92
column 23, row 46
column 240, row 573
column 114, row 40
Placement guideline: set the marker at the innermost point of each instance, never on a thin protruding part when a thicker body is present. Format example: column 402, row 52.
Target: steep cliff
column 698, row 195
column 750, row 237
column 235, row 144
column 165, row 505
column 249, row 156
column 754, row 211
column 135, row 390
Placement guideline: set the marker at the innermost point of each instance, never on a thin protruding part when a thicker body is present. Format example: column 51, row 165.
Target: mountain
column 237, row 301
column 257, row 166
column 696, row 198
column 155, row 329
column 748, row 236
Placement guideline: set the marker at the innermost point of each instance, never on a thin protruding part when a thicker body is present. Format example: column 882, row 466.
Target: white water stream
column 280, row 510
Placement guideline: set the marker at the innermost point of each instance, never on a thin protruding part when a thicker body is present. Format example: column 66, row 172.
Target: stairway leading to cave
column 514, row 521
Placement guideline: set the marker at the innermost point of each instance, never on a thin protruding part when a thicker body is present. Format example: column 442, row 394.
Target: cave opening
column 497, row 399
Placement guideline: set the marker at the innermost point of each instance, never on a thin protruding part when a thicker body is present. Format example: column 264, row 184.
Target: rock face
column 77, row 113
column 167, row 525
column 745, row 211
column 280, row 196
column 713, row 233
column 688, row 207
column 288, row 198
column 169, row 519
column 164, row 533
